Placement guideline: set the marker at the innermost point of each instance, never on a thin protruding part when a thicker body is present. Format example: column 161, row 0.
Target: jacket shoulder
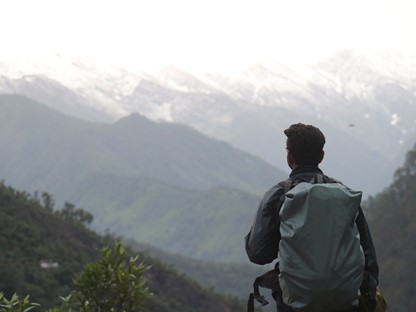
column 274, row 193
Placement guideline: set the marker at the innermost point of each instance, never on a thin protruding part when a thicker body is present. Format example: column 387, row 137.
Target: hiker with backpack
column 316, row 228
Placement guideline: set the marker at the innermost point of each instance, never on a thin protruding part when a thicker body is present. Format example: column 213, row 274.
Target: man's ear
column 321, row 157
column 290, row 160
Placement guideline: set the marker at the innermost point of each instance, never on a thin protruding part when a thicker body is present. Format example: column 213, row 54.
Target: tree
column 113, row 284
column 48, row 201
column 73, row 214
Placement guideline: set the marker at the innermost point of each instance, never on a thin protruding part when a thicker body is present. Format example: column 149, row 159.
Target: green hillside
column 208, row 225
column 31, row 233
column 393, row 224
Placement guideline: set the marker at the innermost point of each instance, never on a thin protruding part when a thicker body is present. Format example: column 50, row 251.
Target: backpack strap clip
column 318, row 178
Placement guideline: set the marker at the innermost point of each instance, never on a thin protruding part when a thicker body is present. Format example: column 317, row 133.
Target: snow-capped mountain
column 364, row 101
column 101, row 86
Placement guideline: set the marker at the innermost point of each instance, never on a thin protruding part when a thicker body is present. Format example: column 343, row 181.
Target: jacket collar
column 302, row 170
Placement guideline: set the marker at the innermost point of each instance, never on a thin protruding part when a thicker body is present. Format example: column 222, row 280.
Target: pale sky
column 204, row 35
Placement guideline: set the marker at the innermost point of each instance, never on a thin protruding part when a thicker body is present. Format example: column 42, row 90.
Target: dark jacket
column 262, row 241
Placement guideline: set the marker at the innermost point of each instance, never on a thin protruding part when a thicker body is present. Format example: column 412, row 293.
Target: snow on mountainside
column 354, row 74
column 260, row 79
column 377, row 90
column 101, row 86
column 363, row 100
column 172, row 77
column 47, row 91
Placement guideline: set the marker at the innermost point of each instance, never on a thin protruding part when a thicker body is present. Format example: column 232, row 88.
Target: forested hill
column 41, row 248
column 392, row 217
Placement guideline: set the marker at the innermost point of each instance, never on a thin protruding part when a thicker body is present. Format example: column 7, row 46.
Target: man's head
column 305, row 145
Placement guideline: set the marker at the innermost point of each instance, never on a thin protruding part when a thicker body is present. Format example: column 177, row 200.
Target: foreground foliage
column 16, row 304
column 42, row 248
column 111, row 284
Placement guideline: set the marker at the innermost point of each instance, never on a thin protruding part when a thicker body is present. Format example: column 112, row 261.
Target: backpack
column 321, row 261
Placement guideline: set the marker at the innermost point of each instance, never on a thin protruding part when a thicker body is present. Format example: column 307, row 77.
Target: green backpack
column 320, row 257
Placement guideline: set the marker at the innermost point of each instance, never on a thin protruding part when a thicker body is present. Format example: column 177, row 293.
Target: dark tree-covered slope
column 393, row 224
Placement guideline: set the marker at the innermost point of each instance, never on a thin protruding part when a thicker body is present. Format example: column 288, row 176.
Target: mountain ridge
column 364, row 97
column 174, row 142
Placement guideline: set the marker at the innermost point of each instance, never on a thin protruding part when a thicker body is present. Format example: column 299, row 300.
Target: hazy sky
column 220, row 35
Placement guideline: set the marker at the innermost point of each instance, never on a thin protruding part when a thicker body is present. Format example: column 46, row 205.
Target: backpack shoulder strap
column 286, row 185
column 289, row 183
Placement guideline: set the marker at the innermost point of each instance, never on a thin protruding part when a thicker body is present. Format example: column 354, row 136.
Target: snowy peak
column 177, row 79
column 260, row 79
column 364, row 68
column 74, row 72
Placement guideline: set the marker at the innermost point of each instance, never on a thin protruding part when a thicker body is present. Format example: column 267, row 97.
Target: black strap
column 250, row 303
column 257, row 294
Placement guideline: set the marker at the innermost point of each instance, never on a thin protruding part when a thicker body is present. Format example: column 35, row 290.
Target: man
column 304, row 153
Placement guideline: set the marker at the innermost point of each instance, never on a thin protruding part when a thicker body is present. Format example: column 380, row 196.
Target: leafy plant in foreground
column 111, row 284
column 16, row 304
